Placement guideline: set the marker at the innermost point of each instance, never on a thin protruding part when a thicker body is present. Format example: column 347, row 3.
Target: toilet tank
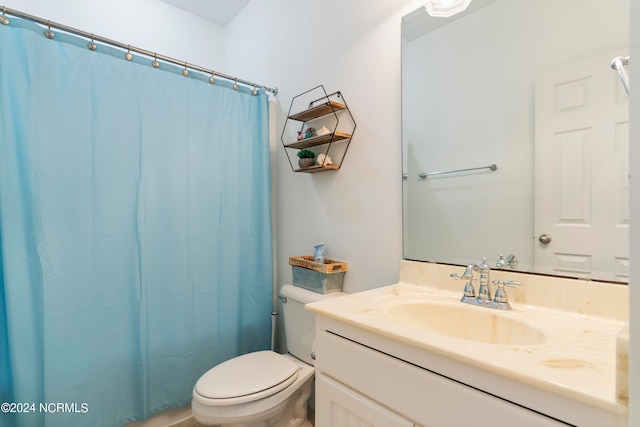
column 299, row 324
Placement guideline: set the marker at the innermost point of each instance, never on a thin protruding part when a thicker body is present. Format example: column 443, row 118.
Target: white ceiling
column 219, row 11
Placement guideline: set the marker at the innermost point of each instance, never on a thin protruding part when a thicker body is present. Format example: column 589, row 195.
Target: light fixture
column 445, row 8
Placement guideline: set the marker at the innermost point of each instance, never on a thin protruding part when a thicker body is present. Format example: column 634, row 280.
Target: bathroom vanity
column 411, row 354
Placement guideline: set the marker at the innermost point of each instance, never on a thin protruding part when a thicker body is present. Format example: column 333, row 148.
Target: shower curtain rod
column 4, row 20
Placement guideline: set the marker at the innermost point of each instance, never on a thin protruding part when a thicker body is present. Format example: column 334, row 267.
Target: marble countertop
column 577, row 358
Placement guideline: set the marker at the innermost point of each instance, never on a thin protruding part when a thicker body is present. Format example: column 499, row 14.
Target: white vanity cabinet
column 361, row 385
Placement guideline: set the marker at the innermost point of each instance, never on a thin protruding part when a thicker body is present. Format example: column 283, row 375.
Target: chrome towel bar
column 424, row 174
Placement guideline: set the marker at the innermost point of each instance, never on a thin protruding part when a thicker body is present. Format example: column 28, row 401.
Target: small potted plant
column 307, row 158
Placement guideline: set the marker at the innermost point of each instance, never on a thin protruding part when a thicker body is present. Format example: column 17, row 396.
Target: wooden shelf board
column 318, row 168
column 319, row 140
column 318, row 111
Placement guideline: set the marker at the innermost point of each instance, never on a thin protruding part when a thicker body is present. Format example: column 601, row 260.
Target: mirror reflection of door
column 581, row 171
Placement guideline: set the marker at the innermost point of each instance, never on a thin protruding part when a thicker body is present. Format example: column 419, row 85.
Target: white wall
column 348, row 46
column 147, row 24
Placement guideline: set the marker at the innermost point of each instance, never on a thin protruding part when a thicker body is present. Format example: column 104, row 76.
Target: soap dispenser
column 318, row 256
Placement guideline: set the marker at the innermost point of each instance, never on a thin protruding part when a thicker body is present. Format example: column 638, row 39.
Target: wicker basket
column 317, row 277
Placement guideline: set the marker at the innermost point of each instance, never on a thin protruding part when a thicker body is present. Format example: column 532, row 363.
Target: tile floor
column 174, row 417
column 181, row 417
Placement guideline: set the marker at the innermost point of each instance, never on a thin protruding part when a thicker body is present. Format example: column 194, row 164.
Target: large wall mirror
column 516, row 100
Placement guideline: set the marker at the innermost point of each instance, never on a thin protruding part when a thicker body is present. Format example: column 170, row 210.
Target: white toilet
column 264, row 388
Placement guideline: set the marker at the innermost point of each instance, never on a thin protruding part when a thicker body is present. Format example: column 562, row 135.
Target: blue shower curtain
column 135, row 231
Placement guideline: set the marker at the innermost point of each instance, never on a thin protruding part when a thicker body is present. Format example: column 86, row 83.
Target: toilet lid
column 249, row 374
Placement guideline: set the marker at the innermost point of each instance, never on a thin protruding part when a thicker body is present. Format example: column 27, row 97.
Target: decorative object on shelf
column 310, row 133
column 318, row 110
column 323, row 278
column 323, row 131
column 318, row 255
column 323, row 159
column 306, row 158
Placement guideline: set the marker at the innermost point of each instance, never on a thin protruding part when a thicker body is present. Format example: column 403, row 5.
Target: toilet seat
column 247, row 378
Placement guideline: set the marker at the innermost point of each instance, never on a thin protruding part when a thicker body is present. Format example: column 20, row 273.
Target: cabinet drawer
column 420, row 395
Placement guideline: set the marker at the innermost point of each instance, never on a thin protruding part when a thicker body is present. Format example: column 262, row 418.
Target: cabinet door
column 340, row 406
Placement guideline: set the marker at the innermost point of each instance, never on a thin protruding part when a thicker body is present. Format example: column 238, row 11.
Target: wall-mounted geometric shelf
column 318, row 111
column 319, row 140
column 323, row 110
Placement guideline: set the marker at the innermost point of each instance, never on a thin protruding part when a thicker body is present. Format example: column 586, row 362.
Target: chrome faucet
column 511, row 262
column 499, row 301
column 484, row 292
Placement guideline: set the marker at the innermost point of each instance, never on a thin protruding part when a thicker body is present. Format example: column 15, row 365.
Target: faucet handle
column 512, row 283
column 463, row 276
column 512, row 262
column 501, row 295
column 468, row 273
column 469, row 290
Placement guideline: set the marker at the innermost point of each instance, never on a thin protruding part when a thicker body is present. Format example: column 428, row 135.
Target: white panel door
column 581, row 171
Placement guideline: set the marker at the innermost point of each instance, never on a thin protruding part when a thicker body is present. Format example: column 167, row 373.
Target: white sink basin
column 467, row 323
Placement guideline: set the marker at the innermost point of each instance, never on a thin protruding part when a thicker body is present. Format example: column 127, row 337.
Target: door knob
column 545, row 239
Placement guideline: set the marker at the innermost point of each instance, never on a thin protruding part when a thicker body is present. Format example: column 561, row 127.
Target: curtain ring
column 155, row 62
column 254, row 92
column 211, row 79
column 128, row 56
column 3, row 19
column 185, row 72
column 235, row 85
column 92, row 45
column 49, row 34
